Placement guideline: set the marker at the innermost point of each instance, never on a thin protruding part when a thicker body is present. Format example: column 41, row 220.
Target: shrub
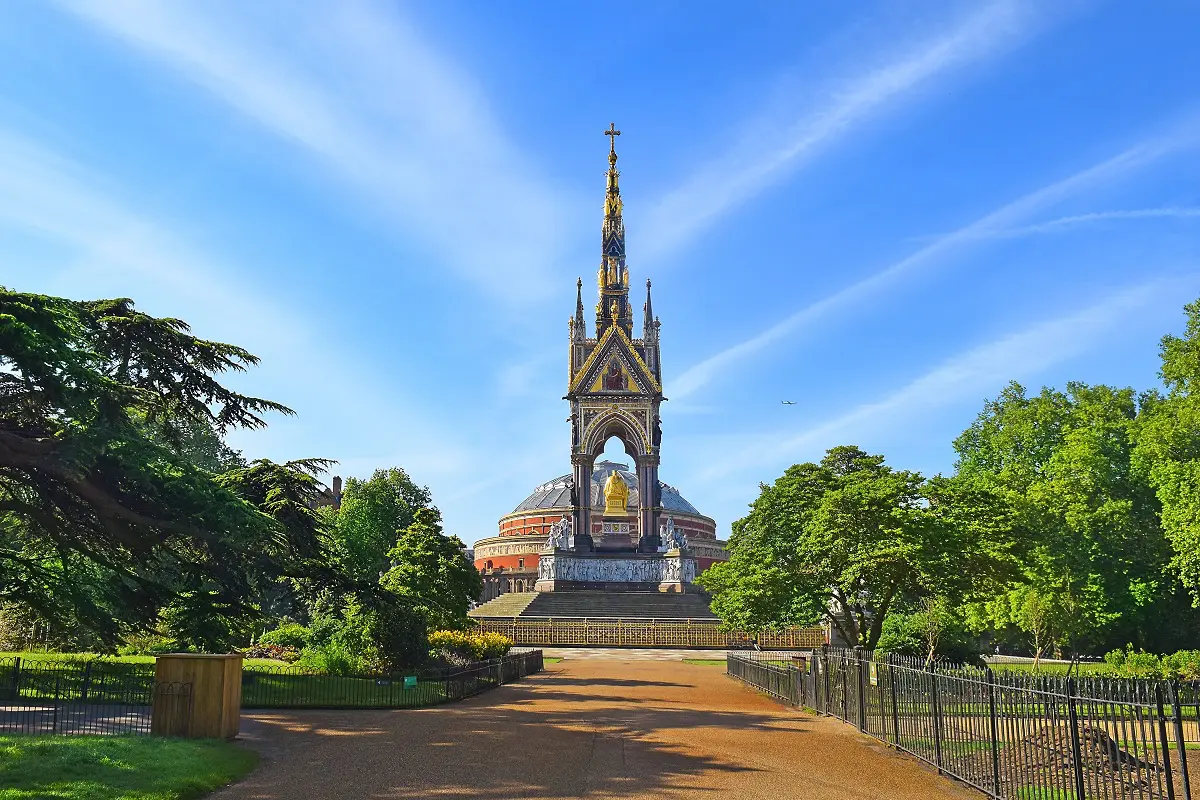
column 463, row 647
column 276, row 652
column 149, row 643
column 1130, row 663
column 332, row 659
column 381, row 638
column 1184, row 665
column 455, row 647
column 289, row 634
column 495, row 645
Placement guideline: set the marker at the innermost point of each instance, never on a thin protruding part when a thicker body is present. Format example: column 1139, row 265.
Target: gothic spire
column 613, row 277
column 647, row 315
column 580, row 324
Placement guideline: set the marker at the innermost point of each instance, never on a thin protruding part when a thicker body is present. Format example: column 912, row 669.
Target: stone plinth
column 565, row 570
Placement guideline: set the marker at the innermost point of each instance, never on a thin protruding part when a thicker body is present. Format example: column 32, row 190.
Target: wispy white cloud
column 986, row 227
column 976, row 373
column 117, row 245
column 1078, row 220
column 778, row 142
column 379, row 107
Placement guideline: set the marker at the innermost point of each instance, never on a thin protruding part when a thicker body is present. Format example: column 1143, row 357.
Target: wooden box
column 214, row 708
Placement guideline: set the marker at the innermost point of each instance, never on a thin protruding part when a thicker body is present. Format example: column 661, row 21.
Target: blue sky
column 883, row 212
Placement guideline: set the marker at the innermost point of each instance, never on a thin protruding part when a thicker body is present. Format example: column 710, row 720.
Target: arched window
column 489, row 564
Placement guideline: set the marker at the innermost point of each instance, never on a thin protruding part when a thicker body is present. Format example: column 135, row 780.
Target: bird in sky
column 788, row 402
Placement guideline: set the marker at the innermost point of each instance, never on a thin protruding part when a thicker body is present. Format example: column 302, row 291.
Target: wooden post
column 215, row 706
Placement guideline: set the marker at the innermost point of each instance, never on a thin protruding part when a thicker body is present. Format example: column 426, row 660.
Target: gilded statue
column 616, row 494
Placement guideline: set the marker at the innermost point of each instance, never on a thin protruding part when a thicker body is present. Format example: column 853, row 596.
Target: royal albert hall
column 509, row 562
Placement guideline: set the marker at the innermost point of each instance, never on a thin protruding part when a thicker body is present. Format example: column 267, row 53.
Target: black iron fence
column 80, row 697
column 1007, row 735
column 110, row 697
column 295, row 687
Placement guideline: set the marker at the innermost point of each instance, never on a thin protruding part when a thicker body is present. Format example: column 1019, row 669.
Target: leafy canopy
column 107, row 517
column 853, row 530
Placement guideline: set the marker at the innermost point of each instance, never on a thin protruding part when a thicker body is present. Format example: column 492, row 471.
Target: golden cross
column 614, row 133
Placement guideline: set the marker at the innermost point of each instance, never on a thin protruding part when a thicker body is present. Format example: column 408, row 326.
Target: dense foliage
column 127, row 522
column 1071, row 524
column 462, row 647
column 871, row 536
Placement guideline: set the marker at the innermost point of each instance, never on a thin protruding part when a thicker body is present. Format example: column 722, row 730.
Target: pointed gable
column 613, row 356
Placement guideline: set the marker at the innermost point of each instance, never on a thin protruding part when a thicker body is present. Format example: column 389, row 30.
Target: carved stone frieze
column 672, row 567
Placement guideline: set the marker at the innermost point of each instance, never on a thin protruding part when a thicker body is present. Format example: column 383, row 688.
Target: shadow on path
column 585, row 729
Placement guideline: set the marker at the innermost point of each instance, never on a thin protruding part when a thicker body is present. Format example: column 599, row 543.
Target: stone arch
column 611, row 424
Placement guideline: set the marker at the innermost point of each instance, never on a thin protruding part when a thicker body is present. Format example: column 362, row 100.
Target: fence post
column 991, row 686
column 1166, row 747
column 862, row 690
column 1076, row 755
column 1177, row 713
column 87, row 682
column 16, row 678
column 891, row 669
column 825, row 667
column 937, row 718
column 54, row 719
column 846, row 689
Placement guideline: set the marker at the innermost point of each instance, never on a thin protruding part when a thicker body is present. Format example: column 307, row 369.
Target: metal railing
column 1007, row 735
column 683, row 633
column 79, row 697
column 295, row 687
column 99, row 696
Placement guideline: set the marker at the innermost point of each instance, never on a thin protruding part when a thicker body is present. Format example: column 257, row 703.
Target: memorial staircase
column 598, row 605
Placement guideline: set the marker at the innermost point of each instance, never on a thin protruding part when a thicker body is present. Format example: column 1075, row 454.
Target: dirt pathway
column 584, row 728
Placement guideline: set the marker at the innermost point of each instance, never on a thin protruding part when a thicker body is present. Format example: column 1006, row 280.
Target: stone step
column 510, row 604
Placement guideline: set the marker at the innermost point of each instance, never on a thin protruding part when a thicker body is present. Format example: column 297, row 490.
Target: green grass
column 705, row 662
column 117, row 767
column 274, row 690
column 37, row 657
column 1039, row 793
column 551, row 659
column 1098, row 668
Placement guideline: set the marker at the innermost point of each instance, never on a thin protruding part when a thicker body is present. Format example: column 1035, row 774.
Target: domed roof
column 557, row 493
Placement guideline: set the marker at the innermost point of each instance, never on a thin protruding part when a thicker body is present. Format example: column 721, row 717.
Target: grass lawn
column 705, row 662
column 274, row 690
column 1098, row 668
column 112, row 767
column 34, row 658
column 551, row 659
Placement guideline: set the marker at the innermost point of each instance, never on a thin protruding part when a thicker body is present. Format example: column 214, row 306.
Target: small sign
column 874, row 674
column 410, row 681
column 382, row 682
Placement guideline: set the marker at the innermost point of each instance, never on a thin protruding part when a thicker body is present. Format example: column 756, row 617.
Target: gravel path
column 583, row 728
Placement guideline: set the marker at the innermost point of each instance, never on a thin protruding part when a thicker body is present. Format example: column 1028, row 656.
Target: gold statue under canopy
column 616, row 494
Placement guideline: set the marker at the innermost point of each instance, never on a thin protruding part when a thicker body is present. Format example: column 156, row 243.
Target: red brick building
column 509, row 561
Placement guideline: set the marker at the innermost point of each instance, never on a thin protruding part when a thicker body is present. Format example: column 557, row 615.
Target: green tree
column 846, row 539
column 431, row 572
column 1091, row 550
column 1168, row 448
column 106, row 520
column 372, row 514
